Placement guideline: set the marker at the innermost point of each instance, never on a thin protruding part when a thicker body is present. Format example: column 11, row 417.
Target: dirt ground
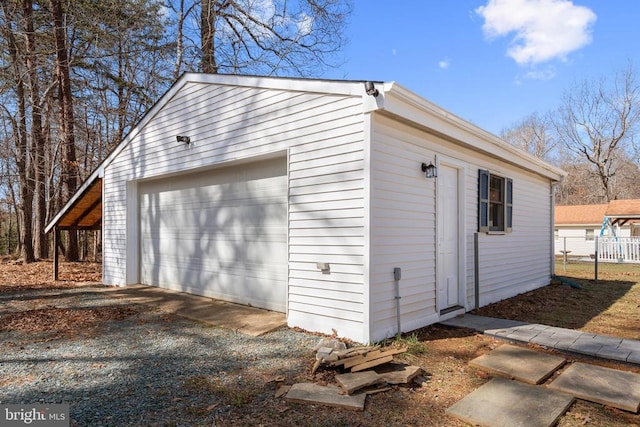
column 443, row 353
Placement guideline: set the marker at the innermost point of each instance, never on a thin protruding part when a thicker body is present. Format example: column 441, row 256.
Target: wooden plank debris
column 376, row 390
column 372, row 363
column 359, row 382
column 329, row 395
column 352, row 352
column 353, row 361
column 352, row 382
column 364, row 359
column 398, row 373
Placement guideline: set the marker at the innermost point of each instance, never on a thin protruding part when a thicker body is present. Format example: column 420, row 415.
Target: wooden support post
column 56, row 257
column 595, row 264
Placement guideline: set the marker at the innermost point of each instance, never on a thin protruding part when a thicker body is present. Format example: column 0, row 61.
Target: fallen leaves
column 62, row 320
column 15, row 276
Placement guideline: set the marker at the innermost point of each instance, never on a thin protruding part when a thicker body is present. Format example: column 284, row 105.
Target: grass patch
column 609, row 306
column 411, row 341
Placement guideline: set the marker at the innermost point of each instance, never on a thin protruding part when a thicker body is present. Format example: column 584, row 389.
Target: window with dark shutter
column 495, row 202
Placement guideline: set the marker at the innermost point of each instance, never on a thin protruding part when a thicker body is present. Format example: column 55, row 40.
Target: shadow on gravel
column 147, row 370
column 44, row 295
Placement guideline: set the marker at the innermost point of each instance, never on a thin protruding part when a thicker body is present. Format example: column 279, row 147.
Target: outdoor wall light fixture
column 371, row 89
column 430, row 170
column 185, row 139
column 324, row 267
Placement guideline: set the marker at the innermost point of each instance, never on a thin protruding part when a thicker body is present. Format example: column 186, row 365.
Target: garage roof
column 84, row 210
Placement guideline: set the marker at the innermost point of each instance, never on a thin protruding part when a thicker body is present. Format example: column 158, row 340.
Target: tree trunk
column 37, row 137
column 207, row 35
column 23, row 165
column 25, row 189
column 179, row 41
column 69, row 162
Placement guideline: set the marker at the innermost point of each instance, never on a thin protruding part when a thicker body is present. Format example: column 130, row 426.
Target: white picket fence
column 621, row 249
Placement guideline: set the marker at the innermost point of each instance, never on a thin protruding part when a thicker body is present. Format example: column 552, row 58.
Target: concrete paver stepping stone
column 506, row 403
column 519, row 363
column 398, row 373
column 354, row 381
column 329, row 395
column 607, row 386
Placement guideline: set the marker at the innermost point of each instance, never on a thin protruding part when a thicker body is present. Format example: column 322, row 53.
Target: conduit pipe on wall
column 476, row 271
column 397, row 275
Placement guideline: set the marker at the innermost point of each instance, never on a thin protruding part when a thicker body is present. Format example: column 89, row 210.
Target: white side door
column 448, row 238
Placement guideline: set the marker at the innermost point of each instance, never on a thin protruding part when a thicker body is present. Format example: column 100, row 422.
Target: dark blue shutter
column 509, row 205
column 483, row 200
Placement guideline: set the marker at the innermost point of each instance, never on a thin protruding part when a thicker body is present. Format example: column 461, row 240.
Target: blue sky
column 491, row 62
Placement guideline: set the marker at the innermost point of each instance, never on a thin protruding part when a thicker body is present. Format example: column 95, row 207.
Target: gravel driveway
column 122, row 364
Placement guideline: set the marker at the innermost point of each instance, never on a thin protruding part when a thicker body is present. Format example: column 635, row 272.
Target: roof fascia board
column 331, row 87
column 410, row 106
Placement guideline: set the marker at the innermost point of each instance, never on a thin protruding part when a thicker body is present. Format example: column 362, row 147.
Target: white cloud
column 444, row 64
column 544, row 29
column 261, row 9
column 545, row 74
column 305, row 24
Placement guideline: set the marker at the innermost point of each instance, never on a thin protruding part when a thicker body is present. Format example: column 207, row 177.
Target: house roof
column 629, row 209
column 621, row 211
column 391, row 99
column 580, row 214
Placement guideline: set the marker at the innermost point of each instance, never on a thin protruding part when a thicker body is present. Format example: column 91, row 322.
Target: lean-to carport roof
column 84, row 210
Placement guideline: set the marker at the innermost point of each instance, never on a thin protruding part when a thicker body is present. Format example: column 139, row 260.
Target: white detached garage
column 304, row 196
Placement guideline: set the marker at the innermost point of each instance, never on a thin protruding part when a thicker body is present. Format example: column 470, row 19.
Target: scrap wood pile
column 365, row 370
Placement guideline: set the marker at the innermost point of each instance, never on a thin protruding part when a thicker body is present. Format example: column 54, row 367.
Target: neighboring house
column 304, row 196
column 577, row 226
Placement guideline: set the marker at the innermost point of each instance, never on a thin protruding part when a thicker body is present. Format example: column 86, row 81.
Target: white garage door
column 220, row 233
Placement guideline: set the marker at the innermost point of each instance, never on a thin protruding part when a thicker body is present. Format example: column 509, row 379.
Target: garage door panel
column 222, row 233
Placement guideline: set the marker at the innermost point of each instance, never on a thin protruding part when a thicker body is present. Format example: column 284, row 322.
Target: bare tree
column 37, row 136
column 596, row 122
column 18, row 119
column 69, row 162
column 265, row 37
column 534, row 134
column 181, row 12
column 75, row 77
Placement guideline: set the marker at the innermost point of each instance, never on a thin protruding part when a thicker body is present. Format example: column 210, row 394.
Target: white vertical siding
column 357, row 200
column 323, row 134
column 402, row 230
column 326, row 225
column 519, row 261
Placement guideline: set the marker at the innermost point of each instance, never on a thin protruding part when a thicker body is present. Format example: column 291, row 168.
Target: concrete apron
column 240, row 318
